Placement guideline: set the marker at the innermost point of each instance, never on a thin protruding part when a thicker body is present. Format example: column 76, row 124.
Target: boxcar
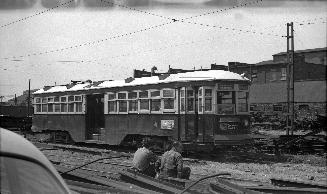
column 198, row 108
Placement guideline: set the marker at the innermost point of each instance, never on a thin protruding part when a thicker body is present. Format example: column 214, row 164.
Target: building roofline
column 304, row 51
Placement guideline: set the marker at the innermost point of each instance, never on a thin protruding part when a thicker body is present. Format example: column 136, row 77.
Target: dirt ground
column 308, row 168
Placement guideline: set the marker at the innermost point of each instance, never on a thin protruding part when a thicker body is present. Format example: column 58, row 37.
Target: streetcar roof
column 179, row 77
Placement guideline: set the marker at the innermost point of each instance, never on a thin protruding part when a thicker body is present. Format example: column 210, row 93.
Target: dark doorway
column 94, row 115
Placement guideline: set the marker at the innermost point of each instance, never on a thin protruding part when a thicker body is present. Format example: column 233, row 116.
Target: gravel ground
column 302, row 168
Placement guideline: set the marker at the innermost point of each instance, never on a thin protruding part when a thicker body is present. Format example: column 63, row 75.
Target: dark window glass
column 78, row 106
column 112, row 96
column 63, row 107
column 132, row 105
column 121, row 95
column 168, row 103
column 71, row 107
column 123, row 106
column 155, row 94
column 112, row 106
column 144, row 104
column 144, row 94
column 132, row 95
column 155, row 104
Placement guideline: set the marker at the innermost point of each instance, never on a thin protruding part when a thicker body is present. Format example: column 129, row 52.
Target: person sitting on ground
column 144, row 159
column 172, row 163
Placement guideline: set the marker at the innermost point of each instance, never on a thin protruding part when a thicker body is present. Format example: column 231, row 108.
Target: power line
column 91, row 43
column 36, row 14
column 149, row 28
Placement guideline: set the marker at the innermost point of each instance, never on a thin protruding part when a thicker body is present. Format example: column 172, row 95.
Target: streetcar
column 202, row 109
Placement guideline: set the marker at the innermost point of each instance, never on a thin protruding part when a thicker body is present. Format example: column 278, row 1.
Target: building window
column 225, row 102
column 242, row 101
column 283, row 74
column 208, row 100
column 168, row 97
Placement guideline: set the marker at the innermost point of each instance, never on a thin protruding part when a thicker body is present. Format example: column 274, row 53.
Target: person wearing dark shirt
column 144, row 159
column 172, row 163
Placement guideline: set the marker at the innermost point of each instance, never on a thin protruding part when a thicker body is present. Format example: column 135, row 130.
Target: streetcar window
column 78, row 98
column 182, row 99
column 44, row 100
column 112, row 96
column 70, row 98
column 144, row 104
column 44, row 108
column 122, row 105
column 200, row 92
column 168, row 93
column 208, row 100
column 200, row 100
column 155, row 94
column 132, row 95
column 155, row 104
column 63, row 108
column 50, row 99
column 132, row 107
column 200, row 104
column 57, row 107
column 71, row 107
column 190, row 93
column 37, row 100
column 38, row 108
column 78, row 106
column 242, row 102
column 225, row 102
column 121, row 95
column 144, row 94
column 112, row 106
column 190, row 100
column 225, row 86
column 63, row 99
column 50, row 107
column 168, row 103
column 243, row 87
column 56, row 99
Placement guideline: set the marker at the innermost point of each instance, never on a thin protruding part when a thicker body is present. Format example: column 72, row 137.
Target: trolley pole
column 290, row 79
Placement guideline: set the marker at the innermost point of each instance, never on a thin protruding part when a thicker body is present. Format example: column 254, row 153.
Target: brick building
column 269, row 87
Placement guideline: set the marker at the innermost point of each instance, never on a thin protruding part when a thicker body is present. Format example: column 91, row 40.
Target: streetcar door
column 94, row 116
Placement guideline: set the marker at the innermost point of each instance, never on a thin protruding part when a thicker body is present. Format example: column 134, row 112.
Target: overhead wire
column 173, row 20
column 36, row 14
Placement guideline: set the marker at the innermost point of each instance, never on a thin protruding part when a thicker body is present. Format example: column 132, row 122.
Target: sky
column 55, row 41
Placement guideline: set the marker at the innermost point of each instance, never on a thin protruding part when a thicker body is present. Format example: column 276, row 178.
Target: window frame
column 168, row 110
column 155, row 98
column 119, row 100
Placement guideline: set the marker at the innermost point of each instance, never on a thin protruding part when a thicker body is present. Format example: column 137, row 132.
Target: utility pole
column 290, row 79
column 29, row 98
